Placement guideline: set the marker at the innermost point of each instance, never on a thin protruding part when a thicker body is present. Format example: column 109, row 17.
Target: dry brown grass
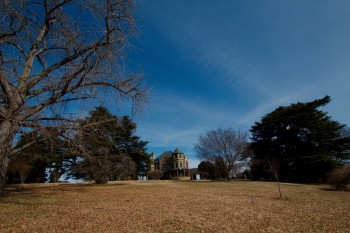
column 168, row 206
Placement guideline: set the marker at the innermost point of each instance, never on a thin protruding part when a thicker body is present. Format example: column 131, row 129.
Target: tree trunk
column 4, row 161
column 23, row 176
column 55, row 176
column 6, row 138
column 279, row 188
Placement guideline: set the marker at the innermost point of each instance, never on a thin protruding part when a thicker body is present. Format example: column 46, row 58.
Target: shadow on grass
column 335, row 190
column 47, row 188
column 39, row 194
column 28, row 191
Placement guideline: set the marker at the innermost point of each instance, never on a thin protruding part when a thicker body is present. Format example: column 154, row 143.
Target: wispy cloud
column 278, row 59
column 177, row 122
column 252, row 57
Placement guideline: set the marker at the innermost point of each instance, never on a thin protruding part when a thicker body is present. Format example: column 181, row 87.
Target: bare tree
column 22, row 168
column 274, row 168
column 57, row 52
column 104, row 167
column 225, row 145
column 339, row 178
column 125, row 167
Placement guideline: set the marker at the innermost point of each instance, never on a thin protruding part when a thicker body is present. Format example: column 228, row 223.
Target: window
column 180, row 165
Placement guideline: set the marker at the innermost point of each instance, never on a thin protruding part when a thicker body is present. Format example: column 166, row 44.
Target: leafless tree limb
column 226, row 144
column 58, row 52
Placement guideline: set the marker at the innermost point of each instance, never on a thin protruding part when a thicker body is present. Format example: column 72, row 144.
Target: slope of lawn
column 174, row 206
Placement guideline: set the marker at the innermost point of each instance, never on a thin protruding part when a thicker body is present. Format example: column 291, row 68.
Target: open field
column 170, row 206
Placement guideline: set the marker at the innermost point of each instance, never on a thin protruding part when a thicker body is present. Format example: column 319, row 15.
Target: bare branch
column 49, row 56
column 227, row 145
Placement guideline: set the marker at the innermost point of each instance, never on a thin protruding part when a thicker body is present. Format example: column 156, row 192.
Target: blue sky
column 227, row 63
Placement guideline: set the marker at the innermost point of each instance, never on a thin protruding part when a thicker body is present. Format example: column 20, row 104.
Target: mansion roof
column 170, row 160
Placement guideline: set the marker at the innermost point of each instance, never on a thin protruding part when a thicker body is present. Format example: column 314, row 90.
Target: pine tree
column 109, row 148
column 32, row 163
column 304, row 140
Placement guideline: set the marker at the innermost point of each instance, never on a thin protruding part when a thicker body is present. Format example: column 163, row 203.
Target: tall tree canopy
column 305, row 142
column 109, row 148
column 223, row 147
column 55, row 52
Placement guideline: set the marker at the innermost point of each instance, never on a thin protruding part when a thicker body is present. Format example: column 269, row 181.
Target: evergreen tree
column 109, row 148
column 128, row 143
column 31, row 164
column 303, row 140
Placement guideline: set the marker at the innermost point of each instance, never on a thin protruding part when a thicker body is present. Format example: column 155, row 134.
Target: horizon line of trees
column 296, row 143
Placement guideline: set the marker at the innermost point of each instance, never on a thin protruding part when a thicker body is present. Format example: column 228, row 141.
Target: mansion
column 170, row 165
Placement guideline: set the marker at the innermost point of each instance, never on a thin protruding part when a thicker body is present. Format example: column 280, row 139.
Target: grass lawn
column 173, row 206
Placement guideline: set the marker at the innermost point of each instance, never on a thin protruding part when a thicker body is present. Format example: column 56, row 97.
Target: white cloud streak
column 267, row 56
